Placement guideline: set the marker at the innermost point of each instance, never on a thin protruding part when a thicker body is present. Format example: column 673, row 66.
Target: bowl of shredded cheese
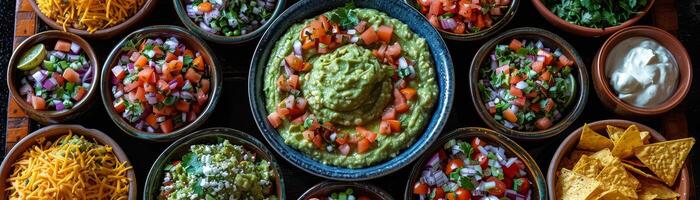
column 92, row 18
column 67, row 162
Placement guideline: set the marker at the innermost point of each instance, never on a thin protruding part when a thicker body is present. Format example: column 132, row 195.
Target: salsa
column 230, row 18
column 347, row 194
column 526, row 86
column 463, row 16
column 56, row 80
column 473, row 170
column 160, row 85
column 340, row 42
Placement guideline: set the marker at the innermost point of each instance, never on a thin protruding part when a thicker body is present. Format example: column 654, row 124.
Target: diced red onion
column 448, row 23
column 434, row 161
column 540, row 58
column 297, row 48
column 26, row 89
column 344, row 149
column 72, row 57
column 150, row 129
column 289, row 101
column 513, row 195
column 151, row 98
column 206, row 27
column 482, row 150
column 354, row 39
column 139, row 125
column 39, row 76
column 402, row 63
column 183, row 117
column 300, row 101
column 134, row 56
column 521, row 85
column 58, row 54
column 186, row 95
column 131, row 67
column 510, row 161
column 58, row 105
column 74, row 47
column 160, row 119
column 118, row 94
column 50, row 83
column 351, row 31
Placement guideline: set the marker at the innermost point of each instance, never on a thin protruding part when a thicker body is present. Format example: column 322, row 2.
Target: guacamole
column 351, row 87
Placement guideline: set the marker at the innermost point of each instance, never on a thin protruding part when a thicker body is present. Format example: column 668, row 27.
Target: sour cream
column 642, row 72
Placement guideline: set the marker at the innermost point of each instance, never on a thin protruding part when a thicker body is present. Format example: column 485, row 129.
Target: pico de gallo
column 230, row 18
column 160, row 85
column 56, row 80
column 526, row 86
column 463, row 16
column 343, row 195
column 473, row 170
column 321, row 36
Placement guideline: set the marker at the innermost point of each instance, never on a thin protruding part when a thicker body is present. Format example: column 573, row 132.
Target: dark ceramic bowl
column 107, row 33
column 534, row 174
column 608, row 96
column 583, row 30
column 549, row 39
column 309, row 8
column 181, row 9
column 482, row 34
column 191, row 42
column 325, row 189
column 13, row 81
column 54, row 132
column 682, row 185
column 209, row 136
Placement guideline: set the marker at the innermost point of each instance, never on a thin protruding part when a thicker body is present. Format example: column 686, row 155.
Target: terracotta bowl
column 146, row 8
column 54, row 132
column 549, row 39
column 210, row 136
column 13, row 80
column 181, row 9
column 539, row 191
column 192, row 42
column 495, row 28
column 682, row 185
column 325, row 189
column 609, row 97
column 583, row 30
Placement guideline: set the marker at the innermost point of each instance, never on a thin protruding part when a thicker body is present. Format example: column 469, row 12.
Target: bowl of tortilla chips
column 618, row 159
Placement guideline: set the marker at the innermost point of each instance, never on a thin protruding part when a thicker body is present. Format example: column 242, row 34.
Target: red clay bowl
column 54, row 132
column 609, row 98
column 682, row 185
column 52, row 116
column 583, row 30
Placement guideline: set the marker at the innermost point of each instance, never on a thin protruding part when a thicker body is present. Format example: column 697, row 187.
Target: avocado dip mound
column 351, row 87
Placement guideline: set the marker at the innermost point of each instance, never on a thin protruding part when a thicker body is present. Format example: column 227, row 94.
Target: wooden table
column 233, row 109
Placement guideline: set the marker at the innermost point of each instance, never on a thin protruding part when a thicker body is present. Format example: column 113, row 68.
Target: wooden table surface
column 233, row 109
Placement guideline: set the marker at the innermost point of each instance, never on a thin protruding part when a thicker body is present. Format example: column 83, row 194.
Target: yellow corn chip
column 587, row 166
column 613, row 195
column 647, row 196
column 573, row 186
column 640, row 172
column 665, row 159
column 576, row 155
column 592, row 141
column 645, row 136
column 615, row 175
column 604, row 156
column 629, row 140
column 614, row 132
column 656, row 189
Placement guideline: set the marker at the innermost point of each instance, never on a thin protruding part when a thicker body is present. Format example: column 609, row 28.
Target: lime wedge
column 32, row 58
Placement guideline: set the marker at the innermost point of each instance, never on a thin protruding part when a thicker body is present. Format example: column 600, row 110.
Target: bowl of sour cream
column 641, row 71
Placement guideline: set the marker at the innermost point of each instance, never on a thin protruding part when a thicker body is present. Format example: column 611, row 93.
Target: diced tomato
column 283, row 111
column 395, row 125
column 515, row 91
column 165, row 110
column 509, row 115
column 175, row 66
column 152, row 120
column 564, row 61
column 360, row 27
column 420, row 188
column 434, row 21
column 188, row 53
column 435, row 8
column 158, row 52
column 141, row 61
column 149, row 87
column 537, row 66
column 38, row 103
column 477, row 142
column 546, row 76
column 389, row 113
column 460, row 28
column 202, row 97
column 204, row 85
column 294, row 62
column 274, row 119
column 141, row 94
column 385, row 32
column 500, row 188
column 543, row 123
column 524, row 187
column 548, row 57
column 183, row 106
column 510, row 172
column 369, row 36
column 166, row 126
column 309, row 44
column 198, row 63
column 439, row 193
column 62, row 45
column 384, row 128
column 402, row 107
column 520, row 101
column 535, row 107
column 408, row 93
column 515, row 45
column 204, row 7
column 293, row 81
column 453, row 164
column 119, row 106
column 394, row 50
column 492, row 109
column 399, row 102
column 193, row 76
column 363, row 145
column 369, row 135
column 59, row 78
column 133, row 85
column 169, row 57
column 301, row 103
column 80, row 93
column 70, row 75
column 503, row 69
column 463, row 194
column 147, row 75
column 549, row 105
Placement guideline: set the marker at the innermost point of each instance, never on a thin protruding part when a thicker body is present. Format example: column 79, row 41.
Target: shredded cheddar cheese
column 90, row 15
column 69, row 168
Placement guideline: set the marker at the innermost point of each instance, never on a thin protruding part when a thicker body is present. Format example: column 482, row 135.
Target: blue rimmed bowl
column 310, row 8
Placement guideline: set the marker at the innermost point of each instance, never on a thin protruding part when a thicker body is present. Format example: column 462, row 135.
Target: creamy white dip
column 642, row 72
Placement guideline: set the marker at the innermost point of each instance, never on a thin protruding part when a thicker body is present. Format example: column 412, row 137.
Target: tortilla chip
column 640, row 172
column 645, row 135
column 592, row 141
column 575, row 155
column 665, row 159
column 647, row 196
column 656, row 189
column 573, row 186
column 587, row 166
column 615, row 175
column 630, row 139
column 614, row 132
column 604, row 156
column 613, row 195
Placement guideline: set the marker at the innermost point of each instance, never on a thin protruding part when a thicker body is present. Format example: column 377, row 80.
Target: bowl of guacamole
column 350, row 90
column 215, row 163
